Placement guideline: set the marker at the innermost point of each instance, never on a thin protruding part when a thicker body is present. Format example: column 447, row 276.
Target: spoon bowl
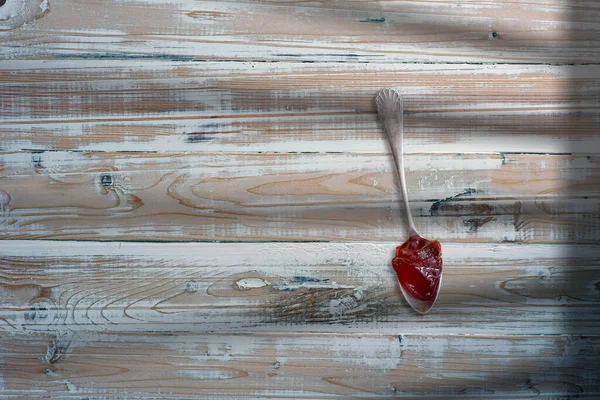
column 418, row 265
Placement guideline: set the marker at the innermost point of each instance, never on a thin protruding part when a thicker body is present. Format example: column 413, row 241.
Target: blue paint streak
column 306, row 279
column 382, row 19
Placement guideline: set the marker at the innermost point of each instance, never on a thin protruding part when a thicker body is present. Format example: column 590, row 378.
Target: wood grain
column 127, row 125
column 50, row 286
column 299, row 366
column 285, row 107
column 225, row 196
column 341, row 31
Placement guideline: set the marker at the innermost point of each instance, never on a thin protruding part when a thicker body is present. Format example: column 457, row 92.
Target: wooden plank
column 50, row 286
column 348, row 31
column 227, row 196
column 282, row 107
column 299, row 366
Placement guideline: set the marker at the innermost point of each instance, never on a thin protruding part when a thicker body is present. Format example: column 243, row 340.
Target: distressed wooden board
column 348, row 31
column 299, row 366
column 49, row 286
column 209, row 107
column 164, row 120
column 227, row 196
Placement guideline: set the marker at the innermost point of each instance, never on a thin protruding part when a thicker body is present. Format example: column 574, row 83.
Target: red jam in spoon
column 418, row 261
column 418, row 264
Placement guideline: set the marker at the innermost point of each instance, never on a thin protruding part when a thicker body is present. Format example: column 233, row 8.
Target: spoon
column 418, row 261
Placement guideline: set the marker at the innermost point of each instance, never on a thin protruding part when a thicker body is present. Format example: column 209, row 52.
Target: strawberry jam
column 418, row 264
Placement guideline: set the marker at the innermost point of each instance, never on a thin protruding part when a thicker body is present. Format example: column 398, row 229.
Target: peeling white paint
column 208, row 373
column 71, row 386
column 44, row 6
column 11, row 9
column 362, row 268
column 251, row 283
column 15, row 13
column 283, row 254
column 384, row 353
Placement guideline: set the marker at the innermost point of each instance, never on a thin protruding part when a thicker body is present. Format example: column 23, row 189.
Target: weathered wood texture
column 281, row 30
column 291, row 287
column 305, row 366
column 283, row 107
column 227, row 196
column 150, row 121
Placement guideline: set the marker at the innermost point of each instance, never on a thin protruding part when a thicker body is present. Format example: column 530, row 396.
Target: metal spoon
column 418, row 261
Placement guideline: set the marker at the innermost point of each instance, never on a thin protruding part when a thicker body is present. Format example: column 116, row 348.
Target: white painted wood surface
column 196, row 107
column 326, row 287
column 324, row 196
column 299, row 366
column 379, row 31
column 197, row 200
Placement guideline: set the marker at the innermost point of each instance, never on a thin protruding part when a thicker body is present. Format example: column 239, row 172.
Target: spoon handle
column 390, row 110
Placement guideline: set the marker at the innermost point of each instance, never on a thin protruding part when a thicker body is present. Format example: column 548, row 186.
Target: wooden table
column 197, row 199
